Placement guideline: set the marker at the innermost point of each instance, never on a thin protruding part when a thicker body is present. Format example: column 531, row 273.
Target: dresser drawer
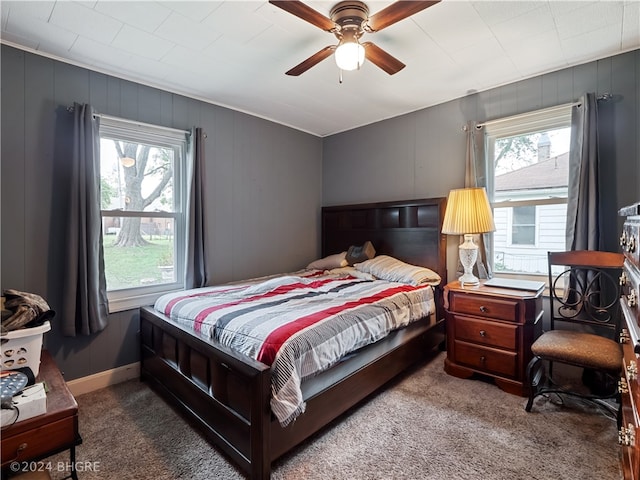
column 41, row 441
column 630, row 301
column 630, row 454
column 481, row 306
column 487, row 359
column 484, row 332
column 630, row 241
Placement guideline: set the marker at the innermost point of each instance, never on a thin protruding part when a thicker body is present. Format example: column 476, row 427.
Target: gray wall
column 263, row 189
column 422, row 154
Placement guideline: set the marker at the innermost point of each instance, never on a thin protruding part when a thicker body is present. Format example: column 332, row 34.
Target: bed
column 228, row 395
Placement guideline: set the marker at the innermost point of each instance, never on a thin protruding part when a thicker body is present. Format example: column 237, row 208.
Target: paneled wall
column 263, row 189
column 422, row 154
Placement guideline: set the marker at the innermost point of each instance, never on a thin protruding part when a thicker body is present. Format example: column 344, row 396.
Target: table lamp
column 468, row 212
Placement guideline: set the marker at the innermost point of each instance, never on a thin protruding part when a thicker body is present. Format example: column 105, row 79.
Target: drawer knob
column 623, row 279
column 483, row 333
column 624, row 336
column 482, row 359
column 484, row 309
column 632, row 370
column 19, row 450
column 627, row 436
column 631, row 244
column 623, row 386
column 623, row 239
column 632, row 299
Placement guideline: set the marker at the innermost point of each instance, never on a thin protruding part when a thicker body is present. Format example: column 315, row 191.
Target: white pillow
column 331, row 261
column 394, row 270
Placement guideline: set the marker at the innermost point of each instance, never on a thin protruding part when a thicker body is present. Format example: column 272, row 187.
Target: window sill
column 123, row 303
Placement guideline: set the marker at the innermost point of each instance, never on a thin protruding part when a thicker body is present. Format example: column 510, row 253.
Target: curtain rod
column 604, row 96
column 134, row 122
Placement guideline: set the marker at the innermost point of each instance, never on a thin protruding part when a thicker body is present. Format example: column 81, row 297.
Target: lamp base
column 468, row 252
column 468, row 279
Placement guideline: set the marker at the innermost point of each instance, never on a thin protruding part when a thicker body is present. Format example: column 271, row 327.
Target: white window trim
column 123, row 129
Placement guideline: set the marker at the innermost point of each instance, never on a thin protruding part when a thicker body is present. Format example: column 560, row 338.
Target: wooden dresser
column 26, row 442
column 629, row 434
column 490, row 331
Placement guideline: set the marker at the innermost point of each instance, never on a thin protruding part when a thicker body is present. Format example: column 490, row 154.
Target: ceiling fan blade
column 311, row 61
column 394, row 13
column 305, row 12
column 382, row 59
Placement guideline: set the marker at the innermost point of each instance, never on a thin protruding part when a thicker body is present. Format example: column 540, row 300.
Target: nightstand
column 30, row 440
column 490, row 331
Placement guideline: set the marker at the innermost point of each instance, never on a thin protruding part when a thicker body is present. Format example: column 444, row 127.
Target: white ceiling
column 235, row 53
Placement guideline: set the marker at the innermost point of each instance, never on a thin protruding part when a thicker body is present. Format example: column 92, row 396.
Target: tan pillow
column 331, row 261
column 394, row 270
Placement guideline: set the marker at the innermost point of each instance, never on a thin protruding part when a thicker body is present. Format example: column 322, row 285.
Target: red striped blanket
column 298, row 324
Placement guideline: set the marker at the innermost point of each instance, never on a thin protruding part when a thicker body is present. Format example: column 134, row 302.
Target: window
column 523, row 226
column 143, row 220
column 528, row 161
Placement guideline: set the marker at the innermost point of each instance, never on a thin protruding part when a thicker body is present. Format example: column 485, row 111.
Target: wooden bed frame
column 227, row 394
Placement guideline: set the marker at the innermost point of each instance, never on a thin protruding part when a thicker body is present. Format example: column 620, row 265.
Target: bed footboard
column 225, row 394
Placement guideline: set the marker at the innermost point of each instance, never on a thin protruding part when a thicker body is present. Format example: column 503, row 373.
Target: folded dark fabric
column 360, row 253
column 26, row 310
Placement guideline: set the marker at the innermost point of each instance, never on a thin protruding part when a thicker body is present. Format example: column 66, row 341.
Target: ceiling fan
column 349, row 21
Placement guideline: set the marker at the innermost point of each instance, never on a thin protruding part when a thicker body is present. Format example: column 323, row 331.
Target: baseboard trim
column 104, row 379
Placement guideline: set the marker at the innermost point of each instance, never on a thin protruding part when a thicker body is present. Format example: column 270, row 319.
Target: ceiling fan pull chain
column 340, row 76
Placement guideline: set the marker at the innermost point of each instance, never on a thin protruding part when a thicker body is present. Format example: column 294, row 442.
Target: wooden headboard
column 409, row 230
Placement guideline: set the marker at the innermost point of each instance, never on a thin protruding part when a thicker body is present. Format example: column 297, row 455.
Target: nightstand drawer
column 486, row 359
column 486, row 333
column 482, row 306
column 44, row 440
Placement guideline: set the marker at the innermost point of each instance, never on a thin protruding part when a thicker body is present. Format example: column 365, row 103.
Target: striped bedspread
column 299, row 324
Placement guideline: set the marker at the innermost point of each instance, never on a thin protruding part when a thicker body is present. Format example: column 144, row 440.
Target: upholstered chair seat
column 580, row 349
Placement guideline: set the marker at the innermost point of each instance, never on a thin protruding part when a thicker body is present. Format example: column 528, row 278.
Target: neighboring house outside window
column 528, row 188
column 523, row 226
column 143, row 220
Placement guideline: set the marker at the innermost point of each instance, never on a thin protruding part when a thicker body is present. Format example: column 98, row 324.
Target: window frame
column 529, row 123
column 114, row 128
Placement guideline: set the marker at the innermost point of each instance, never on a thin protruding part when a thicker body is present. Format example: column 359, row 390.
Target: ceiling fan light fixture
column 349, row 56
column 127, row 162
column 349, row 20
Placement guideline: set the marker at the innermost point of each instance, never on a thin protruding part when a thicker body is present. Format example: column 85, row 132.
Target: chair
column 584, row 314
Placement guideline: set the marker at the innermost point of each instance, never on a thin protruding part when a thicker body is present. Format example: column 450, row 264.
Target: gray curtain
column 476, row 176
column 583, row 202
column 195, row 270
column 85, row 308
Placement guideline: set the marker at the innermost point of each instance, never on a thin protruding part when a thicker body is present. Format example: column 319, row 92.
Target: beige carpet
column 425, row 425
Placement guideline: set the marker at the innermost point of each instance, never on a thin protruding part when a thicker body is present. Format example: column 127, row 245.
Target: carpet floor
column 423, row 425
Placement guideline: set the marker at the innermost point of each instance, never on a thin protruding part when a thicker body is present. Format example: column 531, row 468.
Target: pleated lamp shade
column 468, row 211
